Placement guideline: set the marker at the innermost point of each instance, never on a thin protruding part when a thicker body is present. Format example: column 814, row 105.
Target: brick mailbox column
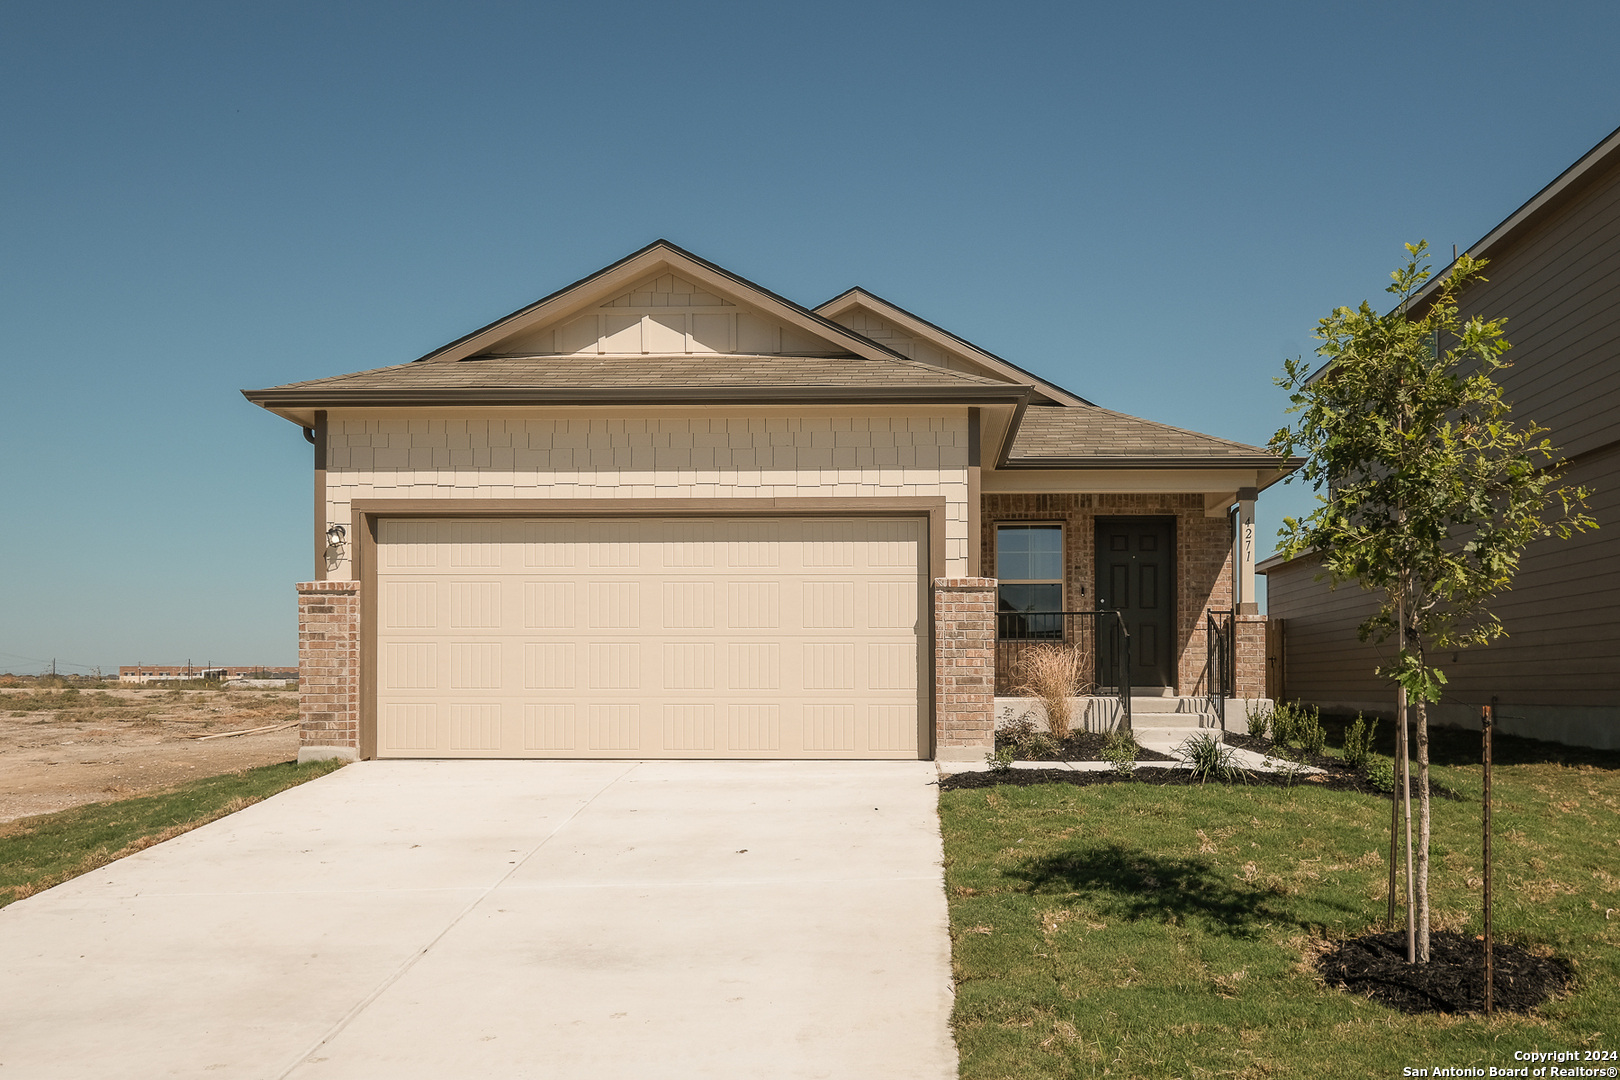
column 964, row 668
column 328, row 670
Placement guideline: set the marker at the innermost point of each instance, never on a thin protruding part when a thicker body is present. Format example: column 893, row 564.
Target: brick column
column 1250, row 659
column 964, row 668
column 328, row 670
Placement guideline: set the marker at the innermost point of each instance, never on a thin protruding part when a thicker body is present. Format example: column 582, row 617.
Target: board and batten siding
column 719, row 456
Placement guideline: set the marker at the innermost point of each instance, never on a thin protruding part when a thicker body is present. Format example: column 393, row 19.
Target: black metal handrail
column 1017, row 631
column 1219, row 660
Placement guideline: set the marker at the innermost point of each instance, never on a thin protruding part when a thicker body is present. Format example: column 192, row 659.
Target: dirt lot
column 64, row 748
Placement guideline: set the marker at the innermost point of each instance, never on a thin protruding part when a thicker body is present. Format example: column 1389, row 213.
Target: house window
column 1029, row 566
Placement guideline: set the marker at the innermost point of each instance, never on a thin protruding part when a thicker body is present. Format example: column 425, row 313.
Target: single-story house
column 1554, row 274
column 665, row 512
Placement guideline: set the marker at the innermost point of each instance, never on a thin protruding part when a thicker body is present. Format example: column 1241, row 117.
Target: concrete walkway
column 507, row 919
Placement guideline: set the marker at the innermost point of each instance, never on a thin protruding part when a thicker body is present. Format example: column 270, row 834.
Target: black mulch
column 1156, row 775
column 1453, row 981
column 1079, row 746
column 1335, row 765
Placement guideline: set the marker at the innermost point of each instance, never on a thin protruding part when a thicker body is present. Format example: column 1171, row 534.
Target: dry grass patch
column 37, row 853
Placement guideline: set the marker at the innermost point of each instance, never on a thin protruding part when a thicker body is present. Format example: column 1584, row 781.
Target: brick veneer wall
column 1203, row 557
column 1251, row 656
column 964, row 668
column 328, row 669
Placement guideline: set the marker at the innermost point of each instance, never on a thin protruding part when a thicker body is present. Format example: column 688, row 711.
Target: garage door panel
column 408, row 726
column 549, row 665
column 651, row 637
column 891, row 727
column 756, row 726
column 552, row 544
column 549, row 605
column 475, row 665
column 613, row 605
column 689, row 727
column 689, row 665
column 688, row 605
column 475, row 605
column 754, row 605
column 614, row 727
column 614, row 665
column 549, row 727
column 829, row 727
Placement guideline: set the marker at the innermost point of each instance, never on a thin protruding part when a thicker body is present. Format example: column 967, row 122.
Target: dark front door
column 1135, row 576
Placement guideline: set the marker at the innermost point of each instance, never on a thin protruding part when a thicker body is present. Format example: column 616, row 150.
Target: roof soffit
column 981, row 360
column 658, row 258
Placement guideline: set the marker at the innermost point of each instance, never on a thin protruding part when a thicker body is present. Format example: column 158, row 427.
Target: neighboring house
column 665, row 512
column 1554, row 274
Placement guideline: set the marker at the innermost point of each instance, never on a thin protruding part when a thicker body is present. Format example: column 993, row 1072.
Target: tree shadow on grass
column 1137, row 885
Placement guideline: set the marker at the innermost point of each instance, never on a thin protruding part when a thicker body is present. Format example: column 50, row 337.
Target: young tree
column 1427, row 490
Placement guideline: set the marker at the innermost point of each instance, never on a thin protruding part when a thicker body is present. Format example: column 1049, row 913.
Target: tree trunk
column 1423, row 832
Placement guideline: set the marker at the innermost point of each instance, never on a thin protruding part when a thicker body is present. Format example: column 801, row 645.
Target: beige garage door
column 654, row 637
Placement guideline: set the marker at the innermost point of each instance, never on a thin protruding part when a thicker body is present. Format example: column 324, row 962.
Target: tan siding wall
column 1558, row 285
column 1563, row 643
column 1325, row 661
column 654, row 458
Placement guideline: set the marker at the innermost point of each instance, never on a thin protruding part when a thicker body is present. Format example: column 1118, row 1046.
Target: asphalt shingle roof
column 1088, row 435
column 646, row 372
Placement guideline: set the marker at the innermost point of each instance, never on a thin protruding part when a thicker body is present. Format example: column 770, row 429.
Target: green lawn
column 38, row 852
column 1138, row 931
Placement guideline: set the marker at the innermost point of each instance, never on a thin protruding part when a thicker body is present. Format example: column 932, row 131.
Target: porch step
column 1167, row 705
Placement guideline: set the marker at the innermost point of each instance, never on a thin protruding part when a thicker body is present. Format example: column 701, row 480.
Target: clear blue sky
column 204, row 197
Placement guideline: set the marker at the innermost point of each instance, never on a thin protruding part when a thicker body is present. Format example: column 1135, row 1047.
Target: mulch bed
column 1453, row 981
column 1156, row 775
column 1087, row 746
column 1079, row 746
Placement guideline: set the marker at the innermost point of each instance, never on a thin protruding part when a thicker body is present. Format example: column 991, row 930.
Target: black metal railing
column 1099, row 637
column 1220, row 647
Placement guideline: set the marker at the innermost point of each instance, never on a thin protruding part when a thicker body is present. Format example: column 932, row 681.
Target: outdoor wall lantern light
column 336, row 537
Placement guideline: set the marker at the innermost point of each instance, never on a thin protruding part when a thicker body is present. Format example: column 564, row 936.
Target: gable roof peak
column 938, row 337
column 612, row 280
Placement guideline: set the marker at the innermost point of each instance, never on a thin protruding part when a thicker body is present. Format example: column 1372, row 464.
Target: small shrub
column 1016, row 731
column 1298, row 726
column 1259, row 719
column 1120, row 751
column 1024, row 739
column 1000, row 760
column 1358, row 742
column 1054, row 674
column 1380, row 773
column 1207, row 757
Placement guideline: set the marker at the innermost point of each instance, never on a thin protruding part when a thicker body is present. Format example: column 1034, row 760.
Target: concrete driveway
column 507, row 919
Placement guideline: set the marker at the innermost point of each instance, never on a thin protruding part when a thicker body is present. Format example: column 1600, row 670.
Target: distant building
column 146, row 673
